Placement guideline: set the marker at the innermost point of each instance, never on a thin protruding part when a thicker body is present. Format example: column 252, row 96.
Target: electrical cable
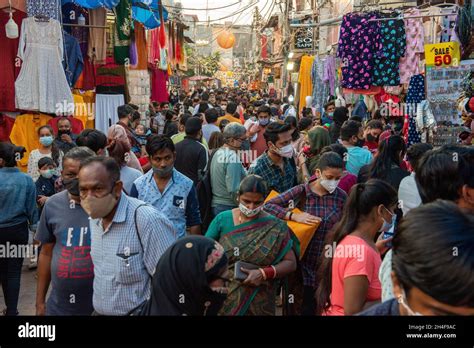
column 219, row 19
column 204, row 9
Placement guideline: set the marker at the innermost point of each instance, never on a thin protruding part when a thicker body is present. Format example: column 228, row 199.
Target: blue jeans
column 221, row 208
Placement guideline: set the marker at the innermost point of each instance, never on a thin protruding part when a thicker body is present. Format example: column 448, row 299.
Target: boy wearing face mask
column 328, row 114
column 45, row 183
column 276, row 165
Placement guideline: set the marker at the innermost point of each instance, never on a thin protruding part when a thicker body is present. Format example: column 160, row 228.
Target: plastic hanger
column 41, row 18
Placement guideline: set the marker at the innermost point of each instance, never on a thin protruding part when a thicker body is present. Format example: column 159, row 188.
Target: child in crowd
column 140, row 134
column 45, row 183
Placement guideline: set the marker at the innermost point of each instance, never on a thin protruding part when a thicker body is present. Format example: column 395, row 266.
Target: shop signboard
column 304, row 39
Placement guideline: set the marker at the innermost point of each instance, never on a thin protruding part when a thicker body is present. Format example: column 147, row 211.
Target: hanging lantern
column 226, row 39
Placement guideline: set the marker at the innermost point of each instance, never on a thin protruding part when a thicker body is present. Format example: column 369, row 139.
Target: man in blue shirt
column 128, row 238
column 352, row 137
column 171, row 192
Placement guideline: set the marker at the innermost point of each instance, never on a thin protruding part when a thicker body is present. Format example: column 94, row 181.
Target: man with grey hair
column 227, row 170
column 65, row 259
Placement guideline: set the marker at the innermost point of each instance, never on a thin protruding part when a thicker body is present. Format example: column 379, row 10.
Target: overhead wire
column 204, row 9
column 254, row 2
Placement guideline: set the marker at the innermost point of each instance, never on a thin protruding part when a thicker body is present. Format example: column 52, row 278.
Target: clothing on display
column 359, row 43
column 48, row 8
column 9, row 69
column 123, row 31
column 416, row 94
column 320, row 80
column 73, row 62
column 6, row 126
column 25, row 133
column 97, row 49
column 93, row 4
column 306, row 85
column 415, row 46
column 159, row 92
column 393, row 41
column 140, row 43
column 41, row 84
column 106, row 110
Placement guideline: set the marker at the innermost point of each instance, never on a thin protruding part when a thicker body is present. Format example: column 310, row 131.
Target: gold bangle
column 263, row 273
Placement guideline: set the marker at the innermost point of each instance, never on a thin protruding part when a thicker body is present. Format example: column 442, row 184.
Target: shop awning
column 147, row 12
column 93, row 4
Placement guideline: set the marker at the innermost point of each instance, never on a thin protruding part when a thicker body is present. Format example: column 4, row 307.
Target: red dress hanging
column 8, row 59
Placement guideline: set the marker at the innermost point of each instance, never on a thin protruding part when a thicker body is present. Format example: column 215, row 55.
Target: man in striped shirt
column 128, row 238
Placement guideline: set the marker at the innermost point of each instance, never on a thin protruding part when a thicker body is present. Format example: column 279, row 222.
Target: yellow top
column 305, row 80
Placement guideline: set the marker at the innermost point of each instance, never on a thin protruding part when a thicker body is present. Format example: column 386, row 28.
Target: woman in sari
column 250, row 235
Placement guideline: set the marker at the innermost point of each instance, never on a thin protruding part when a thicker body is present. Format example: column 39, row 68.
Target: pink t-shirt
column 354, row 257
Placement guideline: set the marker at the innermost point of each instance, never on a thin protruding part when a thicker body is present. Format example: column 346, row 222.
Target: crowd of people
column 194, row 208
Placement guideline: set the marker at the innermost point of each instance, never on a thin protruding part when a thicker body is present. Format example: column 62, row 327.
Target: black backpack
column 204, row 193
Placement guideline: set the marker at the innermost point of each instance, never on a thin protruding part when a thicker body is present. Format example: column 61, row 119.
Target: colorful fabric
column 320, row 86
column 415, row 40
column 393, row 41
column 416, row 93
column 304, row 78
column 263, row 242
column 123, row 30
column 49, row 8
column 359, row 44
column 328, row 208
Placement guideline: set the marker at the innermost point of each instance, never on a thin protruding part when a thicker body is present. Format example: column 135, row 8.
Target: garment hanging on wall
column 123, row 30
column 97, row 49
column 49, row 8
column 159, row 92
column 304, row 78
column 8, row 58
column 320, row 86
column 73, row 61
column 393, row 41
column 6, row 126
column 106, row 110
column 415, row 39
column 41, row 84
column 141, row 46
column 416, row 93
column 25, row 133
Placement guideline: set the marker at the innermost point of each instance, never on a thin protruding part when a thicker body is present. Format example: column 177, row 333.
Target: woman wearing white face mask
column 47, row 148
column 321, row 202
column 250, row 235
column 349, row 273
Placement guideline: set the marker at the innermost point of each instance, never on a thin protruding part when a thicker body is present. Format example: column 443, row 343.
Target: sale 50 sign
column 443, row 54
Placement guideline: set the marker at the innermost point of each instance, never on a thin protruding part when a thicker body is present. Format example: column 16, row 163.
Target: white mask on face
column 329, row 185
column 286, row 151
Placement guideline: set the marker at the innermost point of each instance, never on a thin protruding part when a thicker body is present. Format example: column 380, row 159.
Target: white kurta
column 41, row 84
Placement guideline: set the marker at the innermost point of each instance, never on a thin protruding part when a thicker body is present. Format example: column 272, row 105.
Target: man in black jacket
column 191, row 154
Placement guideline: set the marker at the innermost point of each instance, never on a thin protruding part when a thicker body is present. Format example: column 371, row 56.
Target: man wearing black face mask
column 352, row 137
column 64, row 261
column 65, row 140
column 168, row 190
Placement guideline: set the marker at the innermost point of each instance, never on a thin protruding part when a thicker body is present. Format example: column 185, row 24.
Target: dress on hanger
column 415, row 37
column 9, row 70
column 42, row 83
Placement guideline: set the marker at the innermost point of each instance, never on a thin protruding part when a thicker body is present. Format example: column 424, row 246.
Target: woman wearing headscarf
column 189, row 279
column 341, row 115
column 118, row 134
column 259, row 239
column 318, row 138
